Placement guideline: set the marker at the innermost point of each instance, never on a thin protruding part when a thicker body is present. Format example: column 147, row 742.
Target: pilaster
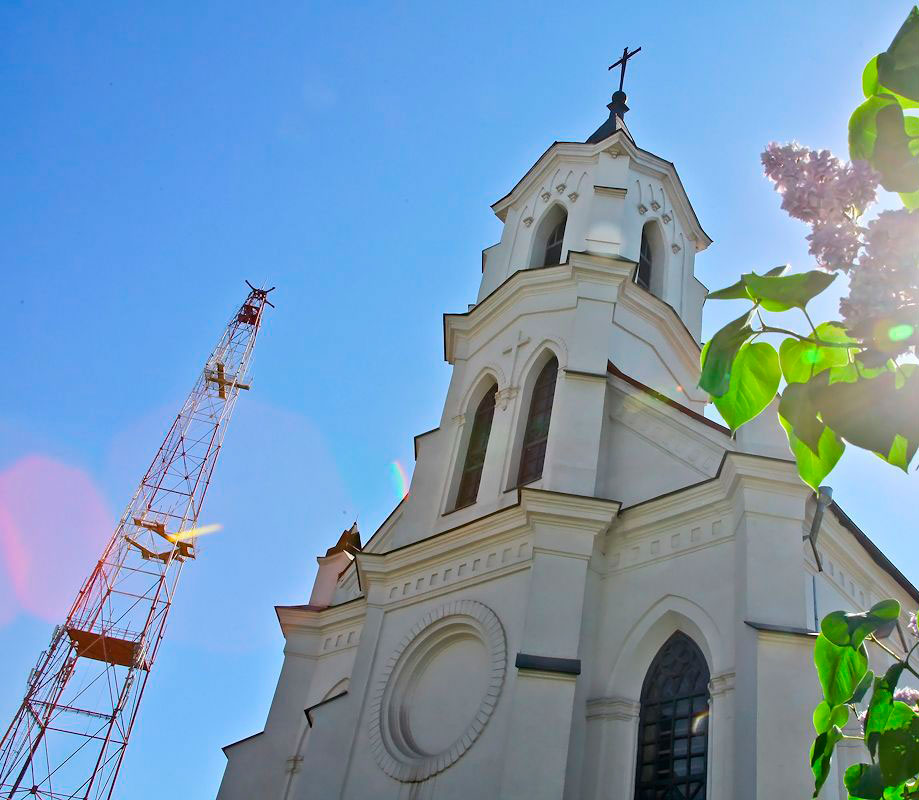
column 328, row 756
column 612, row 736
column 721, row 737
column 542, row 703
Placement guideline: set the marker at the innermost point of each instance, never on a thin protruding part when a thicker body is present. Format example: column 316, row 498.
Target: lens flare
column 699, row 721
column 192, row 533
column 898, row 333
column 53, row 523
column 399, row 478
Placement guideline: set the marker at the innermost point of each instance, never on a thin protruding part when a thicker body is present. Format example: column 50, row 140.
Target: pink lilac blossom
column 907, row 694
column 817, row 187
column 912, row 626
column 835, row 243
column 886, row 282
column 882, row 258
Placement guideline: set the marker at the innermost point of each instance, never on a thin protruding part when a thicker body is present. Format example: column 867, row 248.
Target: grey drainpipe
column 824, row 498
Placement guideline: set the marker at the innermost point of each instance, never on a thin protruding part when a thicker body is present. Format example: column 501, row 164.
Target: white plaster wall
column 481, row 764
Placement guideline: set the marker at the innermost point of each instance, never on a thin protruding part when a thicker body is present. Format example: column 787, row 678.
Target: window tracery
column 673, row 724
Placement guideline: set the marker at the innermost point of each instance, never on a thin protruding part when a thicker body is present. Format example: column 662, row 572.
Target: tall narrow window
column 549, row 237
column 554, row 244
column 536, row 434
column 475, row 452
column 673, row 724
column 643, row 273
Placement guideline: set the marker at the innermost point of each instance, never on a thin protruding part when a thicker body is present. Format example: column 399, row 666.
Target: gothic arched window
column 549, row 237
column 536, row 433
column 673, row 724
column 475, row 452
column 554, row 244
column 643, row 273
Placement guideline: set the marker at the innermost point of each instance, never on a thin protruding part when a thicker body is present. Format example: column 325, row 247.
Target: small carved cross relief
column 515, row 349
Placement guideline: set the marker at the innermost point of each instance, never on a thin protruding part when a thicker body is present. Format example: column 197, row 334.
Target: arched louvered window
column 549, row 237
column 643, row 273
column 475, row 452
column 673, row 724
column 536, row 434
column 554, row 244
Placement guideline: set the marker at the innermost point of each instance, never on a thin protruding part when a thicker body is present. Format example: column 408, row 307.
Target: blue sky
column 154, row 155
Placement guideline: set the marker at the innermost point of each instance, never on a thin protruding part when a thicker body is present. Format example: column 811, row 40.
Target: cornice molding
column 603, row 278
column 737, row 470
column 615, row 708
column 310, row 619
column 573, row 512
column 722, row 683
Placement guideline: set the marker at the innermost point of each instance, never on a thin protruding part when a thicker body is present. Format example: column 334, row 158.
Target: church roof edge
column 612, row 369
column 874, row 552
column 625, row 139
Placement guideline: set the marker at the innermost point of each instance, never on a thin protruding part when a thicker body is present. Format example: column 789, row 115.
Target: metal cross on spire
column 622, row 62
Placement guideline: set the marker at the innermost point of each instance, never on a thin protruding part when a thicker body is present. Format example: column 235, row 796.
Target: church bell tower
column 576, row 530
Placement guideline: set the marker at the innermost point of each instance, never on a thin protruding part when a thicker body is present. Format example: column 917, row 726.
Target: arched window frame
column 540, row 392
column 473, row 462
column 651, row 269
column 486, row 382
column 673, row 740
column 553, row 217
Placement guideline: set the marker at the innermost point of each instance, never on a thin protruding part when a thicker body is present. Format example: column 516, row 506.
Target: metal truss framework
column 68, row 738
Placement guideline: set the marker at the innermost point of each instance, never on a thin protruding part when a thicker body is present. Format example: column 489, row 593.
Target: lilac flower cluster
column 912, row 626
column 827, row 194
column 907, row 694
column 885, row 286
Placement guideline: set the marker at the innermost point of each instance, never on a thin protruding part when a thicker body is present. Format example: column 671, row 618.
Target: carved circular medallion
column 438, row 690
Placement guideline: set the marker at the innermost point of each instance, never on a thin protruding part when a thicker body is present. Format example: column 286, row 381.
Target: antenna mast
column 68, row 738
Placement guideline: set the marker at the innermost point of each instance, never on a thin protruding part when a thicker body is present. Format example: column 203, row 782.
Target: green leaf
column 892, row 156
column 910, row 199
column 863, row 687
column 898, row 750
column 901, row 453
column 787, row 291
column 801, row 360
column 878, row 134
column 840, row 669
column 903, row 791
column 754, row 381
column 882, row 706
column 814, row 467
column 798, row 409
column 864, row 782
column 872, row 86
column 871, row 413
column 738, row 291
column 898, row 68
column 718, row 355
column 863, row 127
column 822, row 756
column 826, row 717
column 850, row 630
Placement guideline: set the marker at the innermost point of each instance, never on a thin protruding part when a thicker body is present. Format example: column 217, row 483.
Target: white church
column 591, row 590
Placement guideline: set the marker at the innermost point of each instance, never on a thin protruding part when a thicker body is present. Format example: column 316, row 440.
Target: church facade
column 591, row 590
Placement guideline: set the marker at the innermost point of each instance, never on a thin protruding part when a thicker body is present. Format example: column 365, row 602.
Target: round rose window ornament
column 438, row 690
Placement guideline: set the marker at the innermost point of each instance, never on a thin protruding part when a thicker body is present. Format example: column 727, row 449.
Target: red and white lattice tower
column 69, row 736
